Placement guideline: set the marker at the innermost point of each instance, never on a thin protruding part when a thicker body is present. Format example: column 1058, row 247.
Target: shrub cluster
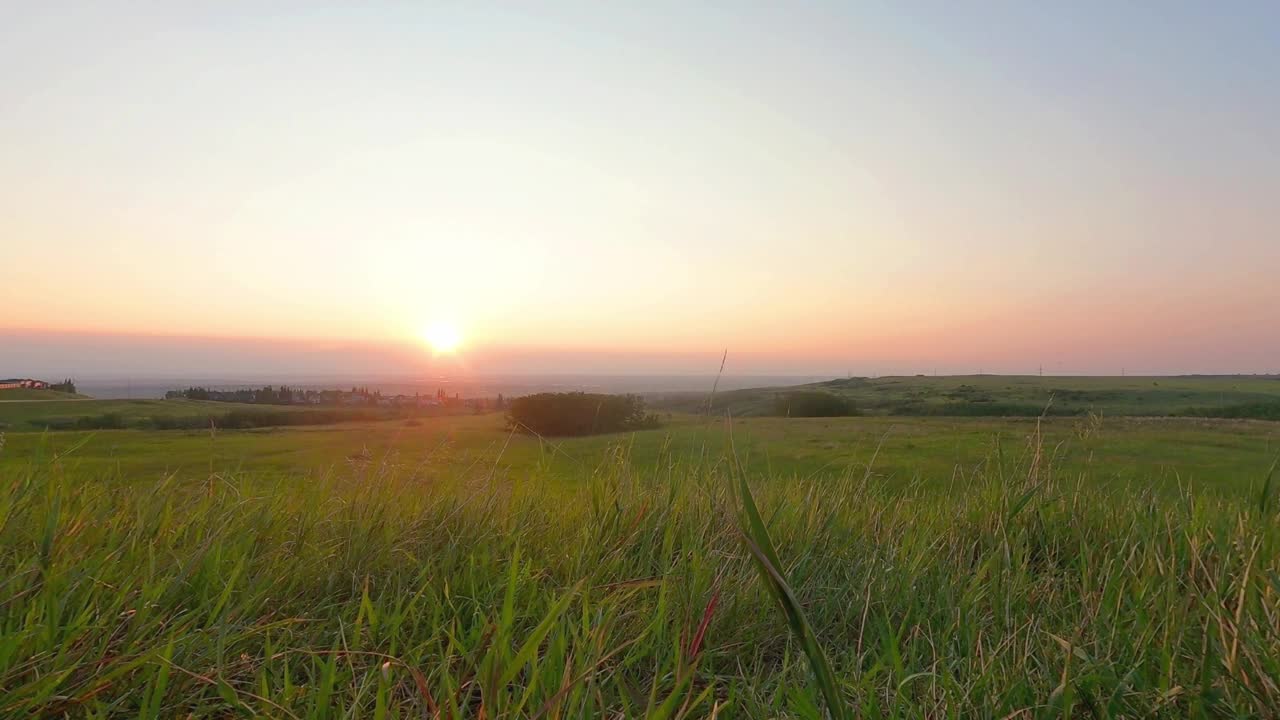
column 812, row 403
column 577, row 413
column 1250, row 411
column 918, row 408
column 105, row 421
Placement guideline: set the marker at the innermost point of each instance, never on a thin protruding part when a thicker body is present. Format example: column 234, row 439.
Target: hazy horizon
column 821, row 190
column 117, row 357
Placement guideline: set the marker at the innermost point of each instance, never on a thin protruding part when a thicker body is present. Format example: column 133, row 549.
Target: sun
column 443, row 337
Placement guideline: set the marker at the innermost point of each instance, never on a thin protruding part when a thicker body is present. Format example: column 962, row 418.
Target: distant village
column 29, row 384
column 356, row 396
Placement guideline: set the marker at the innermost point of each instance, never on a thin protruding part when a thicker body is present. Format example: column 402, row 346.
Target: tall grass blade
column 1264, row 498
column 756, row 537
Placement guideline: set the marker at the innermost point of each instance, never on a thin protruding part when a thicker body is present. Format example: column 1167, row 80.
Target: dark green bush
column 576, row 413
column 811, row 403
column 105, row 421
column 979, row 409
column 996, row 409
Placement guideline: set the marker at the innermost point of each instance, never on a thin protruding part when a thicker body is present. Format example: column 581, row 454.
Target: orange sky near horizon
column 823, row 189
column 1061, row 335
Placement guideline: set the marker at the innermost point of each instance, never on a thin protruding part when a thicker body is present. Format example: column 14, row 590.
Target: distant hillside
column 42, row 415
column 29, row 394
column 1241, row 396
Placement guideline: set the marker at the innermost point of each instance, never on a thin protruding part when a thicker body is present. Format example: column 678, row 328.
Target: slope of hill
column 40, row 415
column 90, row 414
column 24, row 394
column 1008, row 395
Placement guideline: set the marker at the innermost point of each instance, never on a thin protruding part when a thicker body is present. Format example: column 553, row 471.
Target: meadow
column 444, row 567
column 34, row 414
column 27, row 394
column 173, row 414
column 1238, row 396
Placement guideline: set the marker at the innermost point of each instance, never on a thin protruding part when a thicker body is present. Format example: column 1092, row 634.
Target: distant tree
column 66, row 386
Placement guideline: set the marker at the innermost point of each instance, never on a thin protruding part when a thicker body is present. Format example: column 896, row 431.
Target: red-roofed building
column 13, row 383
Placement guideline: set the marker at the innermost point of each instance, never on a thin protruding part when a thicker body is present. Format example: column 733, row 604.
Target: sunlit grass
column 370, row 591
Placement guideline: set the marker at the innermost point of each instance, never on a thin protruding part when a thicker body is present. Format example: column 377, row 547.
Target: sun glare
column 442, row 337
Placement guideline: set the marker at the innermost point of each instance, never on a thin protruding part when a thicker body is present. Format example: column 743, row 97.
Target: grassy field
column 23, row 394
column 1160, row 454
column 442, row 567
column 951, row 396
column 36, row 415
column 1005, row 395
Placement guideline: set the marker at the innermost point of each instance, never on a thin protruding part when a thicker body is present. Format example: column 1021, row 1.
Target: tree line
column 283, row 395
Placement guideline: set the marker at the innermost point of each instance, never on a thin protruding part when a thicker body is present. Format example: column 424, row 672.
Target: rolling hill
column 1241, row 396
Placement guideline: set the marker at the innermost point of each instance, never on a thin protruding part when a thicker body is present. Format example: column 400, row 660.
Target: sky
column 818, row 188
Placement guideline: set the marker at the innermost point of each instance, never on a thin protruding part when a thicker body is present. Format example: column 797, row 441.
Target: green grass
column 976, row 568
column 16, row 394
column 1161, row 455
column 38, row 415
column 35, row 414
column 1010, row 395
